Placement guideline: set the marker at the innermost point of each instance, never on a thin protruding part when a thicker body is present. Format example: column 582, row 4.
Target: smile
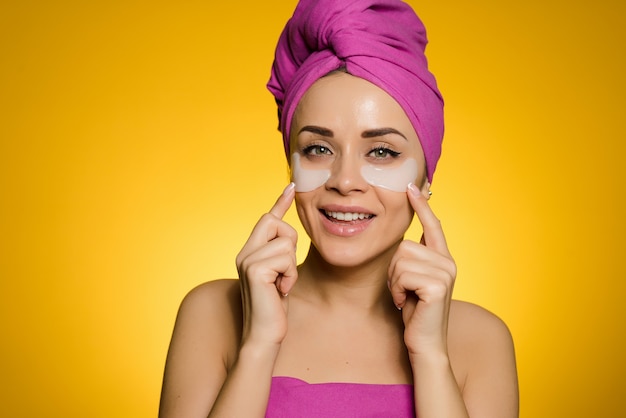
column 346, row 216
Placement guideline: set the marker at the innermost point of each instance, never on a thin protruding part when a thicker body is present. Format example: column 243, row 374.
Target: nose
column 345, row 176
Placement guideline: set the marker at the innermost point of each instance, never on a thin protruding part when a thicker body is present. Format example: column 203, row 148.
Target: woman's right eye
column 314, row 150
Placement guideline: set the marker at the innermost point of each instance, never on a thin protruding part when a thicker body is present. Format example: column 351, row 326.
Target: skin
column 335, row 318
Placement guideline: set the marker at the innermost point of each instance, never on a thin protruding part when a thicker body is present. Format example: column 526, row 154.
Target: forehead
column 346, row 101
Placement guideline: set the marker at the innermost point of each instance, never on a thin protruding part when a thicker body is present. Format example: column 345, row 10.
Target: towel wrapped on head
column 381, row 41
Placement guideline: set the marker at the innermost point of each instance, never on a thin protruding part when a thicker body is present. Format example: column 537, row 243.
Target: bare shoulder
column 473, row 330
column 213, row 296
column 472, row 321
column 214, row 288
column 482, row 355
column 213, row 309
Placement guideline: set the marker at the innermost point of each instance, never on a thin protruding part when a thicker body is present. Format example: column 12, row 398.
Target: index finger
column 283, row 203
column 433, row 233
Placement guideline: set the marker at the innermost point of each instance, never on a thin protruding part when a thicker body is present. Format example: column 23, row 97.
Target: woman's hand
column 267, row 271
column 421, row 278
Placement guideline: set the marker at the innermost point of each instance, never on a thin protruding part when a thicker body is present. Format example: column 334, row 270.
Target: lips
column 345, row 221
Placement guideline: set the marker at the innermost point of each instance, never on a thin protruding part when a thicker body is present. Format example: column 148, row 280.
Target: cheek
column 391, row 178
column 404, row 213
column 302, row 203
column 398, row 213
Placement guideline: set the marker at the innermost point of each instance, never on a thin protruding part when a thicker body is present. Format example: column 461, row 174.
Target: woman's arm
column 483, row 343
column 201, row 377
column 422, row 277
column 482, row 349
column 204, row 337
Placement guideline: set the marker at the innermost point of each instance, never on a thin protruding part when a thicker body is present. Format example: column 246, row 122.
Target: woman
column 365, row 326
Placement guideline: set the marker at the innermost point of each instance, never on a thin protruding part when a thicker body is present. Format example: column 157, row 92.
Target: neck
column 362, row 286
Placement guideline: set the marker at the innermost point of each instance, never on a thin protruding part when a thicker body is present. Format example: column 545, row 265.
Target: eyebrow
column 317, row 130
column 370, row 133
column 373, row 133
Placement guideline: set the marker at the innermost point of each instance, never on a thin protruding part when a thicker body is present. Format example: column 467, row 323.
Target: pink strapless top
column 291, row 398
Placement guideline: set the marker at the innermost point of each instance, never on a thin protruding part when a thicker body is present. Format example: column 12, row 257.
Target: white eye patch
column 396, row 179
column 307, row 180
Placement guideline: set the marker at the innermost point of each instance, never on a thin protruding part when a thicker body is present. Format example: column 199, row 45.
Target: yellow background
column 138, row 148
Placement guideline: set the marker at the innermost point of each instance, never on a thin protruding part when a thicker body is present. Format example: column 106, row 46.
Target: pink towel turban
column 381, row 41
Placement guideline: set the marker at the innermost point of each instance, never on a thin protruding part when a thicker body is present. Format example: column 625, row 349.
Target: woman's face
column 354, row 151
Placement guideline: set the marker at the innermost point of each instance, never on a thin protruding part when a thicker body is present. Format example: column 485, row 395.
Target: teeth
column 347, row 216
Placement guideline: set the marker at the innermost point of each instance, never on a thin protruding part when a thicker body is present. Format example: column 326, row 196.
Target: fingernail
column 289, row 188
column 414, row 189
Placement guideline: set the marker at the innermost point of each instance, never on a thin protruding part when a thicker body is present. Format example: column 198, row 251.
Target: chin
column 346, row 255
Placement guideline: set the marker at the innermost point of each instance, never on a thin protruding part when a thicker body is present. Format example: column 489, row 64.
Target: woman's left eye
column 382, row 153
